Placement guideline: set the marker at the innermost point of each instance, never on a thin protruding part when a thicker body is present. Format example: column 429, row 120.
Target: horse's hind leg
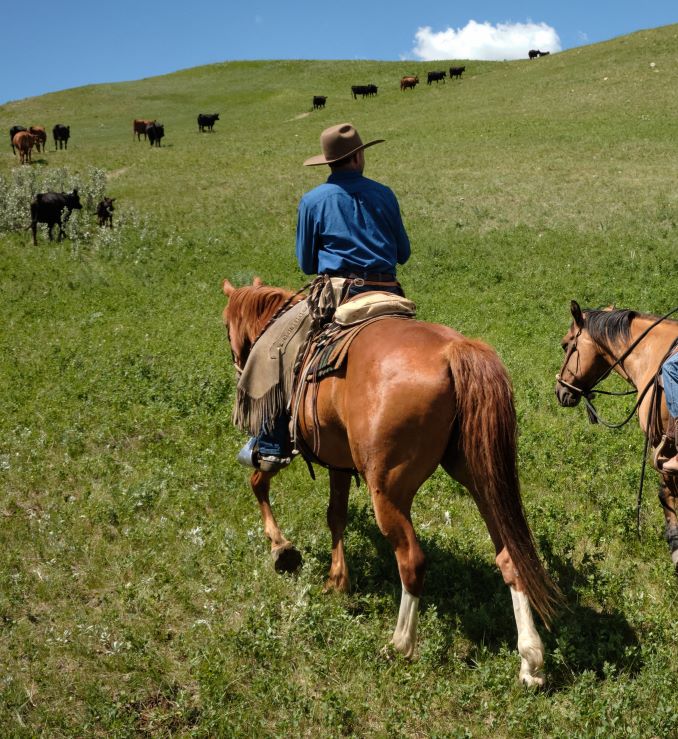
column 286, row 558
column 393, row 519
column 530, row 646
column 668, row 497
column 337, row 514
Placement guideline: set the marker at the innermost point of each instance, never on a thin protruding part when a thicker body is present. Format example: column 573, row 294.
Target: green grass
column 136, row 591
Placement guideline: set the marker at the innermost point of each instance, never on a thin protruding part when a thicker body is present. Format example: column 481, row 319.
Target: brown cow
column 408, row 82
column 139, row 127
column 40, row 136
column 24, row 142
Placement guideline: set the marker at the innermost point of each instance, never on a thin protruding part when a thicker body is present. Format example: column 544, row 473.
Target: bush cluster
column 18, row 189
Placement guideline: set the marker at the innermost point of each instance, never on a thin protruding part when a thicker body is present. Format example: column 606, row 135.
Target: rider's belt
column 366, row 278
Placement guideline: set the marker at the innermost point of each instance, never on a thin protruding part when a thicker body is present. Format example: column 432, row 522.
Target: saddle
column 327, row 350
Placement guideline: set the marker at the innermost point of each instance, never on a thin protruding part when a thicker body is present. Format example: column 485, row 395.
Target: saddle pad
column 373, row 304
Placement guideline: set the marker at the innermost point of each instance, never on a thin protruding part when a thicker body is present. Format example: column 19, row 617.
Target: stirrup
column 249, row 456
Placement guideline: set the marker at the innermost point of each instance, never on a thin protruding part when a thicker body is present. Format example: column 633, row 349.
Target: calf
column 155, row 131
column 436, row 77
column 61, row 134
column 24, row 142
column 40, row 136
column 48, row 207
column 139, row 127
column 13, row 131
column 456, row 72
column 105, row 212
column 206, row 121
column 319, row 101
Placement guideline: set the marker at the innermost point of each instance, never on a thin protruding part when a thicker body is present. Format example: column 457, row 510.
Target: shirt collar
column 344, row 176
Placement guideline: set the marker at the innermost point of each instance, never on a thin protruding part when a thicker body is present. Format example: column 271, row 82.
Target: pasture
column 137, row 596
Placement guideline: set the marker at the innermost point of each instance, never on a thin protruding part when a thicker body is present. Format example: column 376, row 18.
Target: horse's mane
column 606, row 327
column 251, row 308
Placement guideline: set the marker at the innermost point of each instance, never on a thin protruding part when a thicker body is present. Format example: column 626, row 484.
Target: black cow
column 105, row 212
column 12, row 132
column 319, row 101
column 206, row 121
column 155, row 131
column 48, row 207
column 456, row 72
column 364, row 90
column 436, row 77
column 61, row 134
column 533, row 53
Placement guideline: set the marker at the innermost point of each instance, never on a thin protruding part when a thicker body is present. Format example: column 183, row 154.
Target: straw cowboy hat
column 339, row 142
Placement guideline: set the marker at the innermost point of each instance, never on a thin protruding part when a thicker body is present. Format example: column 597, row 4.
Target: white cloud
column 485, row 41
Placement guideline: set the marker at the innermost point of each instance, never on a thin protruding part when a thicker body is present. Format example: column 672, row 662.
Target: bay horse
column 634, row 346
column 411, row 396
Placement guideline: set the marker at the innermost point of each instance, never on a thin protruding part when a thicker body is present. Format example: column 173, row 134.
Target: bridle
column 588, row 393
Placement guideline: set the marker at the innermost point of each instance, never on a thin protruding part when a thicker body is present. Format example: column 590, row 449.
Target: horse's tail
column 487, row 425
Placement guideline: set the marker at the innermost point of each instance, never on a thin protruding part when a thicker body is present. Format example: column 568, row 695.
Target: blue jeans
column 670, row 377
column 276, row 443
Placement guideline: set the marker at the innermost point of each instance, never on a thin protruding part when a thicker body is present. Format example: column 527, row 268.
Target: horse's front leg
column 668, row 497
column 286, row 558
column 337, row 514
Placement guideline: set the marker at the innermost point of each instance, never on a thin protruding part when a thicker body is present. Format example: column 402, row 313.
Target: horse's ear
column 256, row 282
column 227, row 287
column 576, row 313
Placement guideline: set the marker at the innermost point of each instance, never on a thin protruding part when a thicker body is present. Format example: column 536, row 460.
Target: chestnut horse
column 633, row 345
column 411, row 396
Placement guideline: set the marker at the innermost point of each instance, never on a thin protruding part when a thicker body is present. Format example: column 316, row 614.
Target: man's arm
column 307, row 255
column 402, row 239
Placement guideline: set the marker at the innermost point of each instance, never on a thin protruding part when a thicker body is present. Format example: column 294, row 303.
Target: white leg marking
column 529, row 644
column 405, row 634
column 674, row 557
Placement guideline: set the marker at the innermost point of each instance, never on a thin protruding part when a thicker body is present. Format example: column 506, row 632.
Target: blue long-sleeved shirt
column 350, row 223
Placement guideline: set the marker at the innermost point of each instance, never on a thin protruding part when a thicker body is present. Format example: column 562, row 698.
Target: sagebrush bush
column 18, row 189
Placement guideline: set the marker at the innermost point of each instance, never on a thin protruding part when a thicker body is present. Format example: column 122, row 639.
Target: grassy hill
column 136, row 592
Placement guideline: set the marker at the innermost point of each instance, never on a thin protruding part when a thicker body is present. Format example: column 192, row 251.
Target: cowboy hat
column 339, row 142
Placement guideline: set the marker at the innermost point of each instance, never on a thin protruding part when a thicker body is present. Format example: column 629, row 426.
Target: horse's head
column 583, row 364
column 248, row 312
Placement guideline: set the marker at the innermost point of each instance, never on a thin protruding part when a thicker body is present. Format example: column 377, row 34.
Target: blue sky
column 59, row 45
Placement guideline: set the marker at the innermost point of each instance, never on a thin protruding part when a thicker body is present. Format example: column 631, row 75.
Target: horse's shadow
column 469, row 596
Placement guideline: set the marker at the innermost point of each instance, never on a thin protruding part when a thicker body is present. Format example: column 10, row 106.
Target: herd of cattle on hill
column 54, row 208
column 409, row 82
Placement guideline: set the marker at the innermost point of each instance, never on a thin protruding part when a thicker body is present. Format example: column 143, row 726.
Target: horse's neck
column 642, row 363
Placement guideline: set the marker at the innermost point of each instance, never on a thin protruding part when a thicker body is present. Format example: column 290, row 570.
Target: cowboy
column 670, row 378
column 348, row 228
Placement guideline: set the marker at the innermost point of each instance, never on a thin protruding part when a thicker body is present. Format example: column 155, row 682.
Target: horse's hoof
column 286, row 559
column 532, row 681
column 337, row 585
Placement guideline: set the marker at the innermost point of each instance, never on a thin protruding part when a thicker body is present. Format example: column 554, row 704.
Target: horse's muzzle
column 566, row 397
